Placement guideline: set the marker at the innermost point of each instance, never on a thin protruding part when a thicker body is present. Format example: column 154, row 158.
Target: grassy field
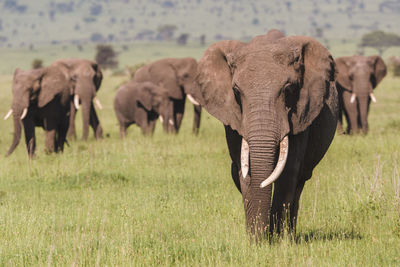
column 169, row 200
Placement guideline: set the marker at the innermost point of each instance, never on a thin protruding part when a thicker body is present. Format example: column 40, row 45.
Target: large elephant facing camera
column 42, row 98
column 142, row 103
column 357, row 77
column 86, row 76
column 276, row 97
column 177, row 76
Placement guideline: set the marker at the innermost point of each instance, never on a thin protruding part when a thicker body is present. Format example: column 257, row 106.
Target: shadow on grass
column 327, row 235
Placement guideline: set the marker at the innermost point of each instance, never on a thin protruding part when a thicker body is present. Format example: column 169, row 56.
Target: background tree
column 106, row 57
column 203, row 40
column 37, row 63
column 380, row 40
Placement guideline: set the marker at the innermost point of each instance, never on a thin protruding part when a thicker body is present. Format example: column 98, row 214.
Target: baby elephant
column 142, row 103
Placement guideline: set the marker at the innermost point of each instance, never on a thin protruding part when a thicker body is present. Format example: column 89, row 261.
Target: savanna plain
column 170, row 199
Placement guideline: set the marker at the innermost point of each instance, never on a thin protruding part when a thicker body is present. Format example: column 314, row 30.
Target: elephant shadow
column 327, row 235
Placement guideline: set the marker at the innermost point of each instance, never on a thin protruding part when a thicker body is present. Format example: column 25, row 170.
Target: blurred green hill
column 25, row 23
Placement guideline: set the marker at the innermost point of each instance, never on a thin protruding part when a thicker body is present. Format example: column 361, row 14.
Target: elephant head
column 34, row 89
column 87, row 78
column 155, row 98
column 267, row 90
column 360, row 75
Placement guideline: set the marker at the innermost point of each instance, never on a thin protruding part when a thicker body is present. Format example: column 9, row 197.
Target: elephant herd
column 279, row 99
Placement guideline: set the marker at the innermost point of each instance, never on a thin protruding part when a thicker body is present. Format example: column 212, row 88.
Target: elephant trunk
column 363, row 105
column 263, row 140
column 86, row 105
column 17, row 113
column 363, row 92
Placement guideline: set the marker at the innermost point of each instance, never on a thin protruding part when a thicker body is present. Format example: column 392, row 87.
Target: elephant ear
column 342, row 65
column 98, row 76
column 53, row 82
column 213, row 86
column 318, row 83
column 144, row 95
column 162, row 72
column 379, row 70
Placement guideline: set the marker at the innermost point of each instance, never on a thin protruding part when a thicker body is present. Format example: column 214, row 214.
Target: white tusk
column 244, row 158
column 97, row 101
column 161, row 119
column 76, row 101
column 8, row 114
column 24, row 113
column 170, row 121
column 191, row 99
column 353, row 98
column 283, row 153
column 371, row 95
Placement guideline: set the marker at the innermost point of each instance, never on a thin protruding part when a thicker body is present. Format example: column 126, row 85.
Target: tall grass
column 169, row 200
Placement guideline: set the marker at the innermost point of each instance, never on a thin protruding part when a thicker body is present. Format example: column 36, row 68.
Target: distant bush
column 89, row 19
column 106, row 57
column 166, row 32
column 394, row 65
column 96, row 10
column 37, row 63
column 167, row 4
column 97, row 37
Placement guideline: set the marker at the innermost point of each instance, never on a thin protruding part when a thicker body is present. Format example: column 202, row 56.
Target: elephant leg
column 95, row 123
column 339, row 128
column 196, row 120
column 295, row 206
column 179, row 110
column 152, row 126
column 351, row 110
column 235, row 173
column 285, row 187
column 71, row 129
column 30, row 138
column 122, row 131
column 50, row 140
column 62, row 134
column 145, row 128
column 234, row 142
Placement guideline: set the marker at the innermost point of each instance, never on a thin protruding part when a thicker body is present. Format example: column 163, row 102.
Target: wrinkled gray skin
column 263, row 91
column 176, row 75
column 358, row 75
column 46, row 93
column 87, row 78
column 141, row 103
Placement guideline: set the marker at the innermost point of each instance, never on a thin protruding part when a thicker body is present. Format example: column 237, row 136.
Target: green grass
column 169, row 200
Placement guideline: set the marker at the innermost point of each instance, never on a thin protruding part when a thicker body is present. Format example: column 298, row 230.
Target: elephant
column 176, row 75
column 142, row 103
column 41, row 97
column 87, row 78
column 357, row 77
column 277, row 99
